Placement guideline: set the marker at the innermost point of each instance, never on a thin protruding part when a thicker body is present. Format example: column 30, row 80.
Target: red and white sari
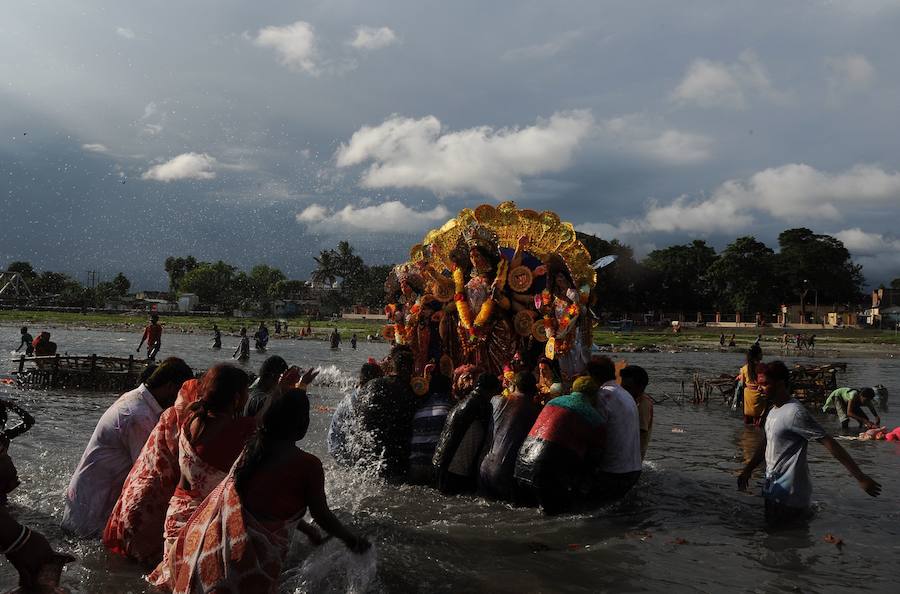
column 203, row 478
column 135, row 526
column 225, row 549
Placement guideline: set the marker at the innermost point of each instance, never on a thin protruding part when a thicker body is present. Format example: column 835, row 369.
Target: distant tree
column 622, row 287
column 681, row 275
column 23, row 268
column 55, row 283
column 212, row 283
column 177, row 268
column 121, row 285
column 811, row 262
column 326, row 271
column 263, row 279
column 895, row 284
column 286, row 289
column 743, row 277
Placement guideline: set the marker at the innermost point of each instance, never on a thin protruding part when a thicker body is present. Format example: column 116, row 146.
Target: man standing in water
column 114, row 446
column 353, row 341
column 26, row 341
column 789, row 428
column 217, row 337
column 153, row 337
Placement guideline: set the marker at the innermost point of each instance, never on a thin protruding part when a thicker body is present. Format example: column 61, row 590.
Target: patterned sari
column 203, row 478
column 136, row 523
column 225, row 549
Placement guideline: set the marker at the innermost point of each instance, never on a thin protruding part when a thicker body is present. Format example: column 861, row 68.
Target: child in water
column 244, row 347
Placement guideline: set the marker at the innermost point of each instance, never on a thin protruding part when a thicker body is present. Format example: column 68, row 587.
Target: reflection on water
column 684, row 527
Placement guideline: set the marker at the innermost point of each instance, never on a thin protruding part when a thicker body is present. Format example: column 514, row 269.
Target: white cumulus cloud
column 793, row 192
column 95, row 147
column 184, row 166
column 373, row 38
column 388, row 217
column 708, row 83
column 125, row 33
column 312, row 214
column 863, row 243
column 295, row 45
column 420, row 153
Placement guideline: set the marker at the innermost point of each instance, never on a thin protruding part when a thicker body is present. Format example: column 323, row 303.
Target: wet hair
column 488, row 384
column 273, row 366
column 636, row 374
column 602, row 369
column 148, row 371
column 24, row 330
column 402, row 357
column 439, row 384
column 286, row 418
column 867, row 393
column 754, row 358
column 171, row 370
column 368, row 372
column 526, row 383
column 220, row 388
column 775, row 370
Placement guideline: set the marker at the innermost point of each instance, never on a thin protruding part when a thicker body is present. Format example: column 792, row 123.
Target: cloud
column 708, row 83
column 312, row 213
column 125, row 33
column 388, row 217
column 849, row 73
column 793, row 192
column 295, row 45
column 862, row 243
column 95, row 147
column 184, row 166
column 372, row 38
column 637, row 134
column 419, row 153
column 545, row 50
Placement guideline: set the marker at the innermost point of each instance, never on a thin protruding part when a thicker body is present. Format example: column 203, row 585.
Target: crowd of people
column 201, row 480
column 500, row 437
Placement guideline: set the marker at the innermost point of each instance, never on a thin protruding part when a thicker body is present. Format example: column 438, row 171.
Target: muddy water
column 685, row 527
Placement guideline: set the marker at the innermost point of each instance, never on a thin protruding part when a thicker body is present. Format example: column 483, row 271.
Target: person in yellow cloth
column 754, row 401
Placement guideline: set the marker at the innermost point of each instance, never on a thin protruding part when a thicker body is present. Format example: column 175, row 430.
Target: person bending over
column 848, row 403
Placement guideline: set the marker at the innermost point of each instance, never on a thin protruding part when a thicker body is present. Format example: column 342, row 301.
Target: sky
column 266, row 132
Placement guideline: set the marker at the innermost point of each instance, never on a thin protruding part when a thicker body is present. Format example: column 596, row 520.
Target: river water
column 684, row 527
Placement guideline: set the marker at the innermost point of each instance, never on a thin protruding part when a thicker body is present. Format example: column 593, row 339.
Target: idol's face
column 562, row 283
column 405, row 288
column 478, row 260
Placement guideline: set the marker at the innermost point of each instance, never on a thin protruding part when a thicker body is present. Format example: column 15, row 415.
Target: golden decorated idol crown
column 475, row 235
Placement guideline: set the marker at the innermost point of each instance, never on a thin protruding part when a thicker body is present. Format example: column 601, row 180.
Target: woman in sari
column 238, row 538
column 210, row 441
column 755, row 403
column 136, row 522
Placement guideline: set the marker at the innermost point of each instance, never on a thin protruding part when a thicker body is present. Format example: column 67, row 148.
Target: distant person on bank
column 789, row 427
column 115, row 445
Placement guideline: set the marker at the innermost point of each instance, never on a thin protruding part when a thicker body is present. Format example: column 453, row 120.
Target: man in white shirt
column 114, row 446
column 789, row 428
column 620, row 466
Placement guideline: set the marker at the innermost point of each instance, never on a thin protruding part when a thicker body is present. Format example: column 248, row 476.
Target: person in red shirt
column 152, row 336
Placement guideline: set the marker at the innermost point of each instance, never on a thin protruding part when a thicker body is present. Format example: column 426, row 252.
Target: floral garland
column 463, row 309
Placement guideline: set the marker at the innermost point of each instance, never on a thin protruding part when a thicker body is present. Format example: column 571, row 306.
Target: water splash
column 333, row 568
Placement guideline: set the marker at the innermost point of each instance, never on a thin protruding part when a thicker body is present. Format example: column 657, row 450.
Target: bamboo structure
column 92, row 372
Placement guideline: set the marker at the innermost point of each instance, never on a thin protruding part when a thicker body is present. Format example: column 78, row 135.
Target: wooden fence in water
column 91, row 372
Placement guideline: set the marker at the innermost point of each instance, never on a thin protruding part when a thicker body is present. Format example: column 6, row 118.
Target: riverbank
column 828, row 341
